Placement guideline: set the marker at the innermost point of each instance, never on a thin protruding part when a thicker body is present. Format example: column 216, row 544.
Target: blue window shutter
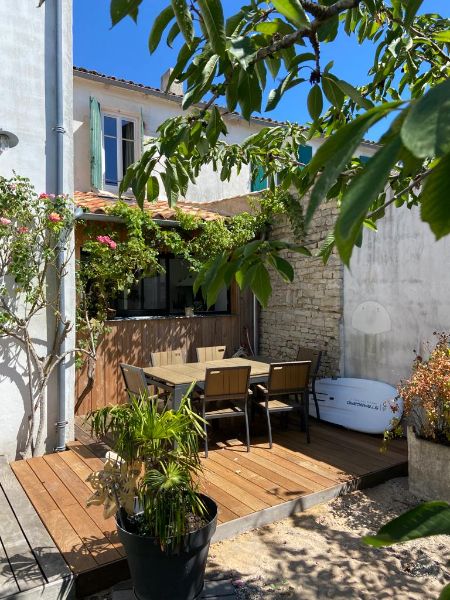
column 304, row 154
column 96, row 144
column 364, row 159
column 259, row 182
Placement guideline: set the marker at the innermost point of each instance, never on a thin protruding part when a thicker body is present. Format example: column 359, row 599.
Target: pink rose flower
column 107, row 241
column 22, row 229
column 43, row 196
column 5, row 221
column 54, row 217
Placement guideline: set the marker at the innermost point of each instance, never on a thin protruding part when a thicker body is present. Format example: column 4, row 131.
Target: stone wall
column 307, row 312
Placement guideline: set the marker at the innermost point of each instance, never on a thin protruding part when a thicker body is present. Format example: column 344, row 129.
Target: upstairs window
column 119, row 145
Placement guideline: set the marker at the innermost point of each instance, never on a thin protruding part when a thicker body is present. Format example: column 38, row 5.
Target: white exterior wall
column 126, row 102
column 396, row 294
column 27, row 108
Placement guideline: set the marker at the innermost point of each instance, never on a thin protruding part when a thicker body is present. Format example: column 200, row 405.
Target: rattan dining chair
column 315, row 356
column 168, row 357
column 287, row 381
column 135, row 381
column 225, row 395
column 211, row 353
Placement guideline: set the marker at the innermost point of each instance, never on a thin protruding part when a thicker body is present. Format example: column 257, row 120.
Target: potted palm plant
column 164, row 523
column 426, row 402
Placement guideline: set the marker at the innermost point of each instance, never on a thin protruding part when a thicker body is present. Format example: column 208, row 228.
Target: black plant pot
column 158, row 575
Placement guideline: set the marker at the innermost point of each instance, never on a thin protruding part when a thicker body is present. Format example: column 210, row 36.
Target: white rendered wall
column 27, row 108
column 396, row 294
column 130, row 103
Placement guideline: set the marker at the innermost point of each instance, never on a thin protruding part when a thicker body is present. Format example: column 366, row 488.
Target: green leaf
column 427, row 519
column 275, row 26
column 411, row 10
column 327, row 247
column 173, row 33
column 243, row 49
column 435, row 205
column 249, row 93
column 360, row 195
column 445, row 594
column 183, row 56
column 215, row 126
column 196, row 93
column 276, row 94
column 184, row 19
column 121, row 8
column 284, row 268
column 152, row 188
column 259, row 281
column 212, row 13
column 159, row 25
column 293, row 11
column 336, row 152
column 353, row 94
column 426, row 130
column 442, row 36
column 315, row 102
column 333, row 92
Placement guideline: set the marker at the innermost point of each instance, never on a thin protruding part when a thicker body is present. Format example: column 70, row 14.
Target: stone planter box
column 429, row 468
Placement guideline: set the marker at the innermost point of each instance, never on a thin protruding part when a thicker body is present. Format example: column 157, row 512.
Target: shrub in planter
column 426, row 405
column 163, row 522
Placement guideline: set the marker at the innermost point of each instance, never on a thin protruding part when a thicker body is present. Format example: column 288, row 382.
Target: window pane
column 127, row 155
column 181, row 282
column 154, row 297
column 111, row 161
column 110, row 126
column 127, row 130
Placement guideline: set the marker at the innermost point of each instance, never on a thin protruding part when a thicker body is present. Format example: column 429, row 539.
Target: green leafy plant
column 426, row 519
column 237, row 58
column 158, row 463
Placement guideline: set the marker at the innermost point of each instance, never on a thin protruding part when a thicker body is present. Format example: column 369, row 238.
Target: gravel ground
column 319, row 554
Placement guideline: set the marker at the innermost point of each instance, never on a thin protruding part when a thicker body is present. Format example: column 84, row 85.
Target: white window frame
column 118, row 116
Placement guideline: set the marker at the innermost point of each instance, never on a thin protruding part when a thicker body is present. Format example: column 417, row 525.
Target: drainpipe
column 60, row 132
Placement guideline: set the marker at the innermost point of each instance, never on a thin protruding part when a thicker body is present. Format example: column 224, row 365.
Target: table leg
column 178, row 392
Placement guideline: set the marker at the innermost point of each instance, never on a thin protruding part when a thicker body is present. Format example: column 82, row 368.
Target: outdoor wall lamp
column 7, row 140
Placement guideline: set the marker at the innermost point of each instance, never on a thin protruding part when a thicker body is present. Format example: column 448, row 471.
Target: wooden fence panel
column 131, row 341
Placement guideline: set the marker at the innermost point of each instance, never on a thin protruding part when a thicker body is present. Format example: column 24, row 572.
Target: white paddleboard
column 360, row 404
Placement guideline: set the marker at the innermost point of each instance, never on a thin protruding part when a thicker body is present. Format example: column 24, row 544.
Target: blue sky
column 123, row 52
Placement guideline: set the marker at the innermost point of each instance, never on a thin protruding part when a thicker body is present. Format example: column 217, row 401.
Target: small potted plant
column 163, row 522
column 426, row 402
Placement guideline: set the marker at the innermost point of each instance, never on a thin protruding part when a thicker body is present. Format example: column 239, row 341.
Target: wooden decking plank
column 88, row 457
column 99, row 449
column 23, row 562
column 69, row 543
column 236, row 477
column 77, row 465
column 54, row 486
column 269, row 471
column 225, row 499
column 36, row 492
column 47, row 555
column 8, row 583
column 234, row 490
column 303, row 467
column 82, row 492
column 249, row 474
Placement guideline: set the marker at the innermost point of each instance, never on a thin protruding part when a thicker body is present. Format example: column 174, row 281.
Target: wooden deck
column 30, row 563
column 251, row 489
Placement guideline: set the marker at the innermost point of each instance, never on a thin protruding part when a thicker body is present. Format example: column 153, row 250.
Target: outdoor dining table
column 178, row 378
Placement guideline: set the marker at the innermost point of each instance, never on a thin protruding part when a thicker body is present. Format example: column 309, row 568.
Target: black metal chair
column 315, row 356
column 225, row 395
column 287, row 382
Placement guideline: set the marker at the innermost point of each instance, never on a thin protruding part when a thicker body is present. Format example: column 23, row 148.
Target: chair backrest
column 135, row 381
column 288, row 377
column 211, row 353
column 315, row 356
column 168, row 357
column 227, row 383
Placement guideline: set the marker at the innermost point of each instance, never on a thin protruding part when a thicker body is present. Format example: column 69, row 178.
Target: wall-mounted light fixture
column 7, row 140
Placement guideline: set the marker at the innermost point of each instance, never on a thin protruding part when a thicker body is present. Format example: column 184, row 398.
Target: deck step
column 217, row 589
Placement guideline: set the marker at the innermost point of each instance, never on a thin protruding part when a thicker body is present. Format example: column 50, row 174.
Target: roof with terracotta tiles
column 98, row 203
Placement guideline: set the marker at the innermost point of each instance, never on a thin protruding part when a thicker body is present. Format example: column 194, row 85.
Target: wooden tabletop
column 188, row 372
